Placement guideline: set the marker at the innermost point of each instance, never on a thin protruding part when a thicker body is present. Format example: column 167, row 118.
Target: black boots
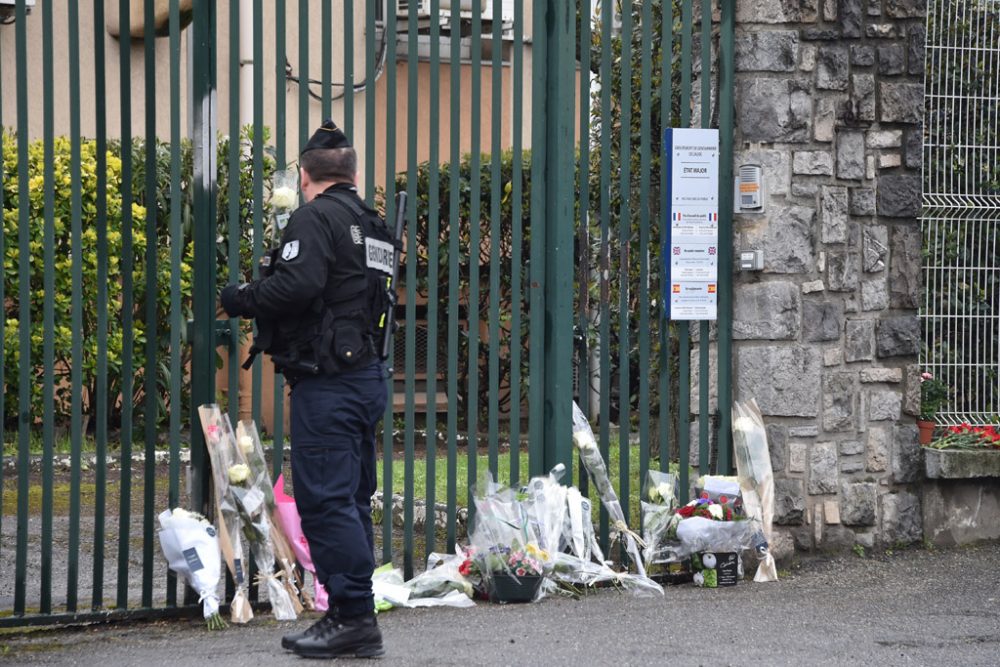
column 357, row 636
column 288, row 641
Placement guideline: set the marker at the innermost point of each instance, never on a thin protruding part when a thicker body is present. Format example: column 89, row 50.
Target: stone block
column 861, row 201
column 832, row 68
column 850, row 466
column 777, row 446
column 898, row 336
column 915, row 48
column 797, row 456
column 960, row 513
column 874, row 248
column 851, row 447
column 870, row 167
column 907, row 455
column 899, row 195
column 863, row 97
column 889, row 160
column 810, row 431
column 803, row 538
column 906, row 9
column 873, row 375
column 901, row 519
column 774, row 110
column 884, row 138
column 901, row 102
column 830, row 10
column 831, row 511
column 905, row 274
column 839, row 399
column 826, row 117
column 833, row 211
column 883, row 31
column 913, row 155
column 842, row 271
column 832, row 356
column 874, row 8
column 911, row 395
column 767, row 51
column 786, row 237
column 859, row 503
column 823, row 474
column 878, row 448
column 812, row 286
column 862, row 55
column 789, row 502
column 884, row 405
column 866, row 540
column 957, row 464
column 859, row 340
column 891, row 59
column 850, row 156
column 821, row 321
column 768, row 11
column 814, row 34
column 850, row 15
column 807, row 58
column 805, row 189
column 812, row 163
column 785, row 380
column 767, row 311
column 874, row 295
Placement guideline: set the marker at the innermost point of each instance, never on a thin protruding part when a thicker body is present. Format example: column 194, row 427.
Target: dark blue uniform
column 319, row 303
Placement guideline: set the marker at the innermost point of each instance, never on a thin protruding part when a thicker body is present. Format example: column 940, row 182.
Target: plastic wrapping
column 437, row 585
column 191, row 547
column 756, row 480
column 284, row 197
column 222, row 454
column 287, row 516
column 250, row 445
column 590, row 454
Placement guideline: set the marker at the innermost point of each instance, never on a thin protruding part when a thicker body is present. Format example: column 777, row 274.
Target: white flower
column 246, row 444
column 744, row 425
column 283, row 197
column 239, row 473
column 715, row 511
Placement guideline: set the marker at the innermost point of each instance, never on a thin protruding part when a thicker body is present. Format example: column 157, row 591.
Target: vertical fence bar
column 76, row 309
column 666, row 98
column 3, row 320
column 645, row 160
column 496, row 157
column 326, row 18
column 684, row 328
column 454, row 231
column 704, row 344
column 151, row 421
column 536, row 262
column 280, row 120
column 127, row 313
column 624, row 237
column 370, row 69
column 24, row 417
column 303, row 36
column 582, row 336
column 517, row 268
column 604, row 333
column 101, row 427
column 233, row 171
column 258, row 178
column 48, row 313
column 433, row 267
column 727, row 69
column 176, row 255
column 348, row 68
column 390, row 194
column 412, row 104
column 475, row 216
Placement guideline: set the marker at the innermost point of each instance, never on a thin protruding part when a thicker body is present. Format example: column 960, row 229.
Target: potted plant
column 933, row 395
column 513, row 573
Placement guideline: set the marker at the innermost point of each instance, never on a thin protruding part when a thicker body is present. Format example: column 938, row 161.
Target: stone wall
column 829, row 101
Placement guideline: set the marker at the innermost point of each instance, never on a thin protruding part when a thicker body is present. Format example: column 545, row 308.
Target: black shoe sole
column 361, row 652
column 288, row 645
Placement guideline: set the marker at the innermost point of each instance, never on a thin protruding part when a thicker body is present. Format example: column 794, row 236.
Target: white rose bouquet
column 191, row 547
column 284, row 196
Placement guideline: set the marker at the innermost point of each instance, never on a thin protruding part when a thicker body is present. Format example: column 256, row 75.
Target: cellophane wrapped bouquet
column 756, row 480
column 191, row 546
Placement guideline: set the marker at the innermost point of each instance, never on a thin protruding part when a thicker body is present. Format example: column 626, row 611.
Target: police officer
column 318, row 306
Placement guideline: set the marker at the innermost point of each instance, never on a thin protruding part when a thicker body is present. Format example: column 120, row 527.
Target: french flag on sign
column 677, row 215
column 714, row 217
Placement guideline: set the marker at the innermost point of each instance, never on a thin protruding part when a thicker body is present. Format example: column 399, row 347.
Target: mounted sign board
column 691, row 262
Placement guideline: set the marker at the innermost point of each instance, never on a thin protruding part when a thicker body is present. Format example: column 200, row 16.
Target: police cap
column 328, row 135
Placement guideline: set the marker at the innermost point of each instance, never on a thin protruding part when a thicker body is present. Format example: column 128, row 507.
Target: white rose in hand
column 283, row 197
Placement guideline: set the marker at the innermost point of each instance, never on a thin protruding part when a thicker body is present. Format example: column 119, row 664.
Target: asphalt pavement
column 904, row 607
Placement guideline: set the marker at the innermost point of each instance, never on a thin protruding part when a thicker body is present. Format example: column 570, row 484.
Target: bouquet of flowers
column 657, row 510
column 967, row 436
column 284, row 196
column 756, row 480
column 222, row 457
column 286, row 516
column 191, row 547
column 586, row 443
column 705, row 524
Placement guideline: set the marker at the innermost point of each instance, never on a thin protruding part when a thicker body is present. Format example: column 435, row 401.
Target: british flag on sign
column 677, row 250
column 711, row 250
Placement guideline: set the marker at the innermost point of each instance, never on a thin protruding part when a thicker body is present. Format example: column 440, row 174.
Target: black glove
column 233, row 299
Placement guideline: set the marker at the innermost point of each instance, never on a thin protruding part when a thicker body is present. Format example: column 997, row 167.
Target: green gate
column 529, row 137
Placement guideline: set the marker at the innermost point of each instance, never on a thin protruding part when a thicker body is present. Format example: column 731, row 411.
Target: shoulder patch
column 290, row 251
column 357, row 235
column 379, row 255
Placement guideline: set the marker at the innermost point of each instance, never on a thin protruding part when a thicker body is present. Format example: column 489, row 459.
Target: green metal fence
column 533, row 240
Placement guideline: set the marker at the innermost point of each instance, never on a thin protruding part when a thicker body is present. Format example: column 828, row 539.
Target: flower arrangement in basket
column 512, row 573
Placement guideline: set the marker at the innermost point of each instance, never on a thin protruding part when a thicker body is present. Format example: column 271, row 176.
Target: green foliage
column 116, row 244
column 933, row 395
